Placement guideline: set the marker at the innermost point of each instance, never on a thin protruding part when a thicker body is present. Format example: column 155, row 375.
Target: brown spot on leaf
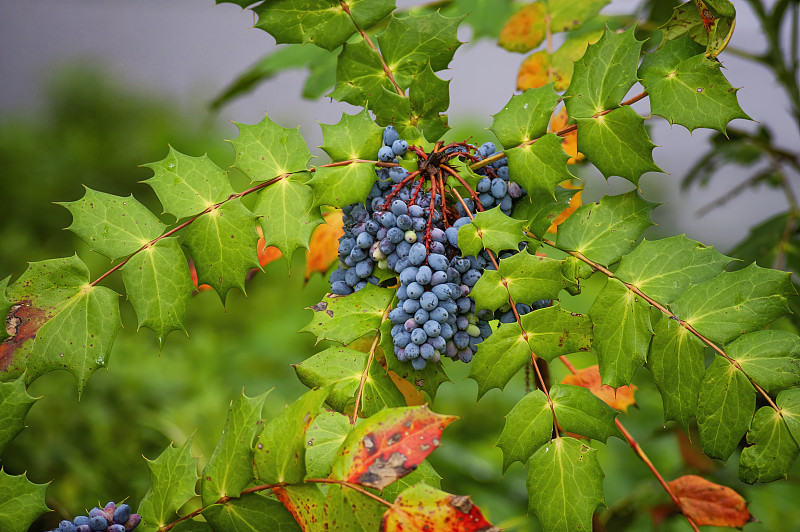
column 319, row 307
column 24, row 320
column 462, row 503
column 383, row 472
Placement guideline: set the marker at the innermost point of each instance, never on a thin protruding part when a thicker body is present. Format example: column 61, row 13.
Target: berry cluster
column 407, row 228
column 112, row 518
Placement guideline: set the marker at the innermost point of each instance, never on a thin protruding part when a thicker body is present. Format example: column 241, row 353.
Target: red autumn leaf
column 303, row 502
column 619, row 399
column 421, row 507
column 324, row 248
column 710, row 504
column 389, row 445
column 525, row 29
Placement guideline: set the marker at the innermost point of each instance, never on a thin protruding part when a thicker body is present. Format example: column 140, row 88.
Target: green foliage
column 172, row 482
column 15, row 402
column 21, row 501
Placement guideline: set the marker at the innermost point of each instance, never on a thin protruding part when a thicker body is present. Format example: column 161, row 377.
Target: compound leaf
column 772, row 450
column 21, row 502
column 173, row 476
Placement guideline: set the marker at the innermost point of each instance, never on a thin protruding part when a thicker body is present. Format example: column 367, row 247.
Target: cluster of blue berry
column 112, row 518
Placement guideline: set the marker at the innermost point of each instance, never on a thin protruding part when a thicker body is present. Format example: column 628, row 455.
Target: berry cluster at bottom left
column 112, row 518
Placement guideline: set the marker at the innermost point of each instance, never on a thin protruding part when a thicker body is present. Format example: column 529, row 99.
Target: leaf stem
column 369, row 363
column 354, row 487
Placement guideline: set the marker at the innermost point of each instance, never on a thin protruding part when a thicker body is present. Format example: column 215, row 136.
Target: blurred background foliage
column 95, row 132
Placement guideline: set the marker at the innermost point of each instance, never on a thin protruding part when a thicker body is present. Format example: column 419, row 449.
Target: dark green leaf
column 21, row 502
column 528, row 425
column 539, row 211
column 346, row 318
column 429, row 94
column 771, row 358
column 789, row 403
column 14, row 405
column 539, row 167
column 725, row 408
column 772, row 451
column 5, row 308
column 525, row 117
column 249, row 513
column 525, row 277
column 347, row 510
column 359, row 75
column 580, row 411
column 173, row 476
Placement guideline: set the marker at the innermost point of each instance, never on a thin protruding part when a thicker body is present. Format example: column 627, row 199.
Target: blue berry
column 385, row 154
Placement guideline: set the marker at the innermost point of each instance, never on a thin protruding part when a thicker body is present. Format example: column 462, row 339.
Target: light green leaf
column 789, row 403
column 251, row 513
column 188, row 185
column 580, row 411
column 339, row 186
column 346, row 318
column 490, row 230
column 321, row 22
column 771, row 358
column 551, row 332
column 568, row 15
column 111, row 225
column 676, row 363
column 622, row 331
column 664, row 269
column 159, row 285
column 323, row 439
column 279, row 455
column 230, row 468
column 527, row 278
column 538, row 211
column 342, row 368
column 266, row 150
column 617, row 144
column 173, row 476
column 525, row 117
column 353, row 137
column 66, row 322
column 734, row 303
column 605, row 231
column 603, row 75
column 486, row 17
column 409, row 43
column 565, row 485
column 725, row 408
column 528, row 425
column 687, row 88
column 772, row 451
column 288, row 216
column 14, row 405
column 539, row 167
column 223, row 246
column 424, row 473
column 21, row 502
column 359, row 75
column 686, row 20
column 347, row 510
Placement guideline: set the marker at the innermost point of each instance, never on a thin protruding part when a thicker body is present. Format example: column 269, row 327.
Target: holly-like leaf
column 14, row 405
column 230, row 468
column 429, row 95
column 323, row 439
column 525, row 116
column 607, row 230
column 346, row 318
column 339, row 186
column 687, row 88
column 525, row 277
column 771, row 358
column 266, row 149
column 288, row 215
column 279, row 455
column 60, row 322
column 410, row 42
column 622, row 330
column 324, row 23
column 664, row 269
column 789, row 403
column 353, row 137
column 619, row 399
column 490, row 230
column 710, row 504
column 772, row 451
column 528, row 425
column 579, row 411
column 734, row 303
column 342, row 368
column 389, row 445
column 565, row 485
column 304, row 502
column 687, row 20
column 21, row 502
column 249, row 512
column 539, row 211
column 187, row 185
column 359, row 75
column 347, row 510
column 725, row 408
column 617, row 144
column 677, row 365
column 173, row 476
column 158, row 284
column 603, row 75
column 223, row 246
column 551, row 332
column 540, row 167
column 111, row 225
column 422, row 507
column 562, row 61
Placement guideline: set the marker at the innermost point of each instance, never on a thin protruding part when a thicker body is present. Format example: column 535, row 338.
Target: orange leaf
column 266, row 255
column 324, row 248
column 422, row 507
column 710, row 504
column 619, row 399
column 525, row 29
column 390, row 445
column 412, row 395
column 193, row 273
column 570, row 140
column 533, row 72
